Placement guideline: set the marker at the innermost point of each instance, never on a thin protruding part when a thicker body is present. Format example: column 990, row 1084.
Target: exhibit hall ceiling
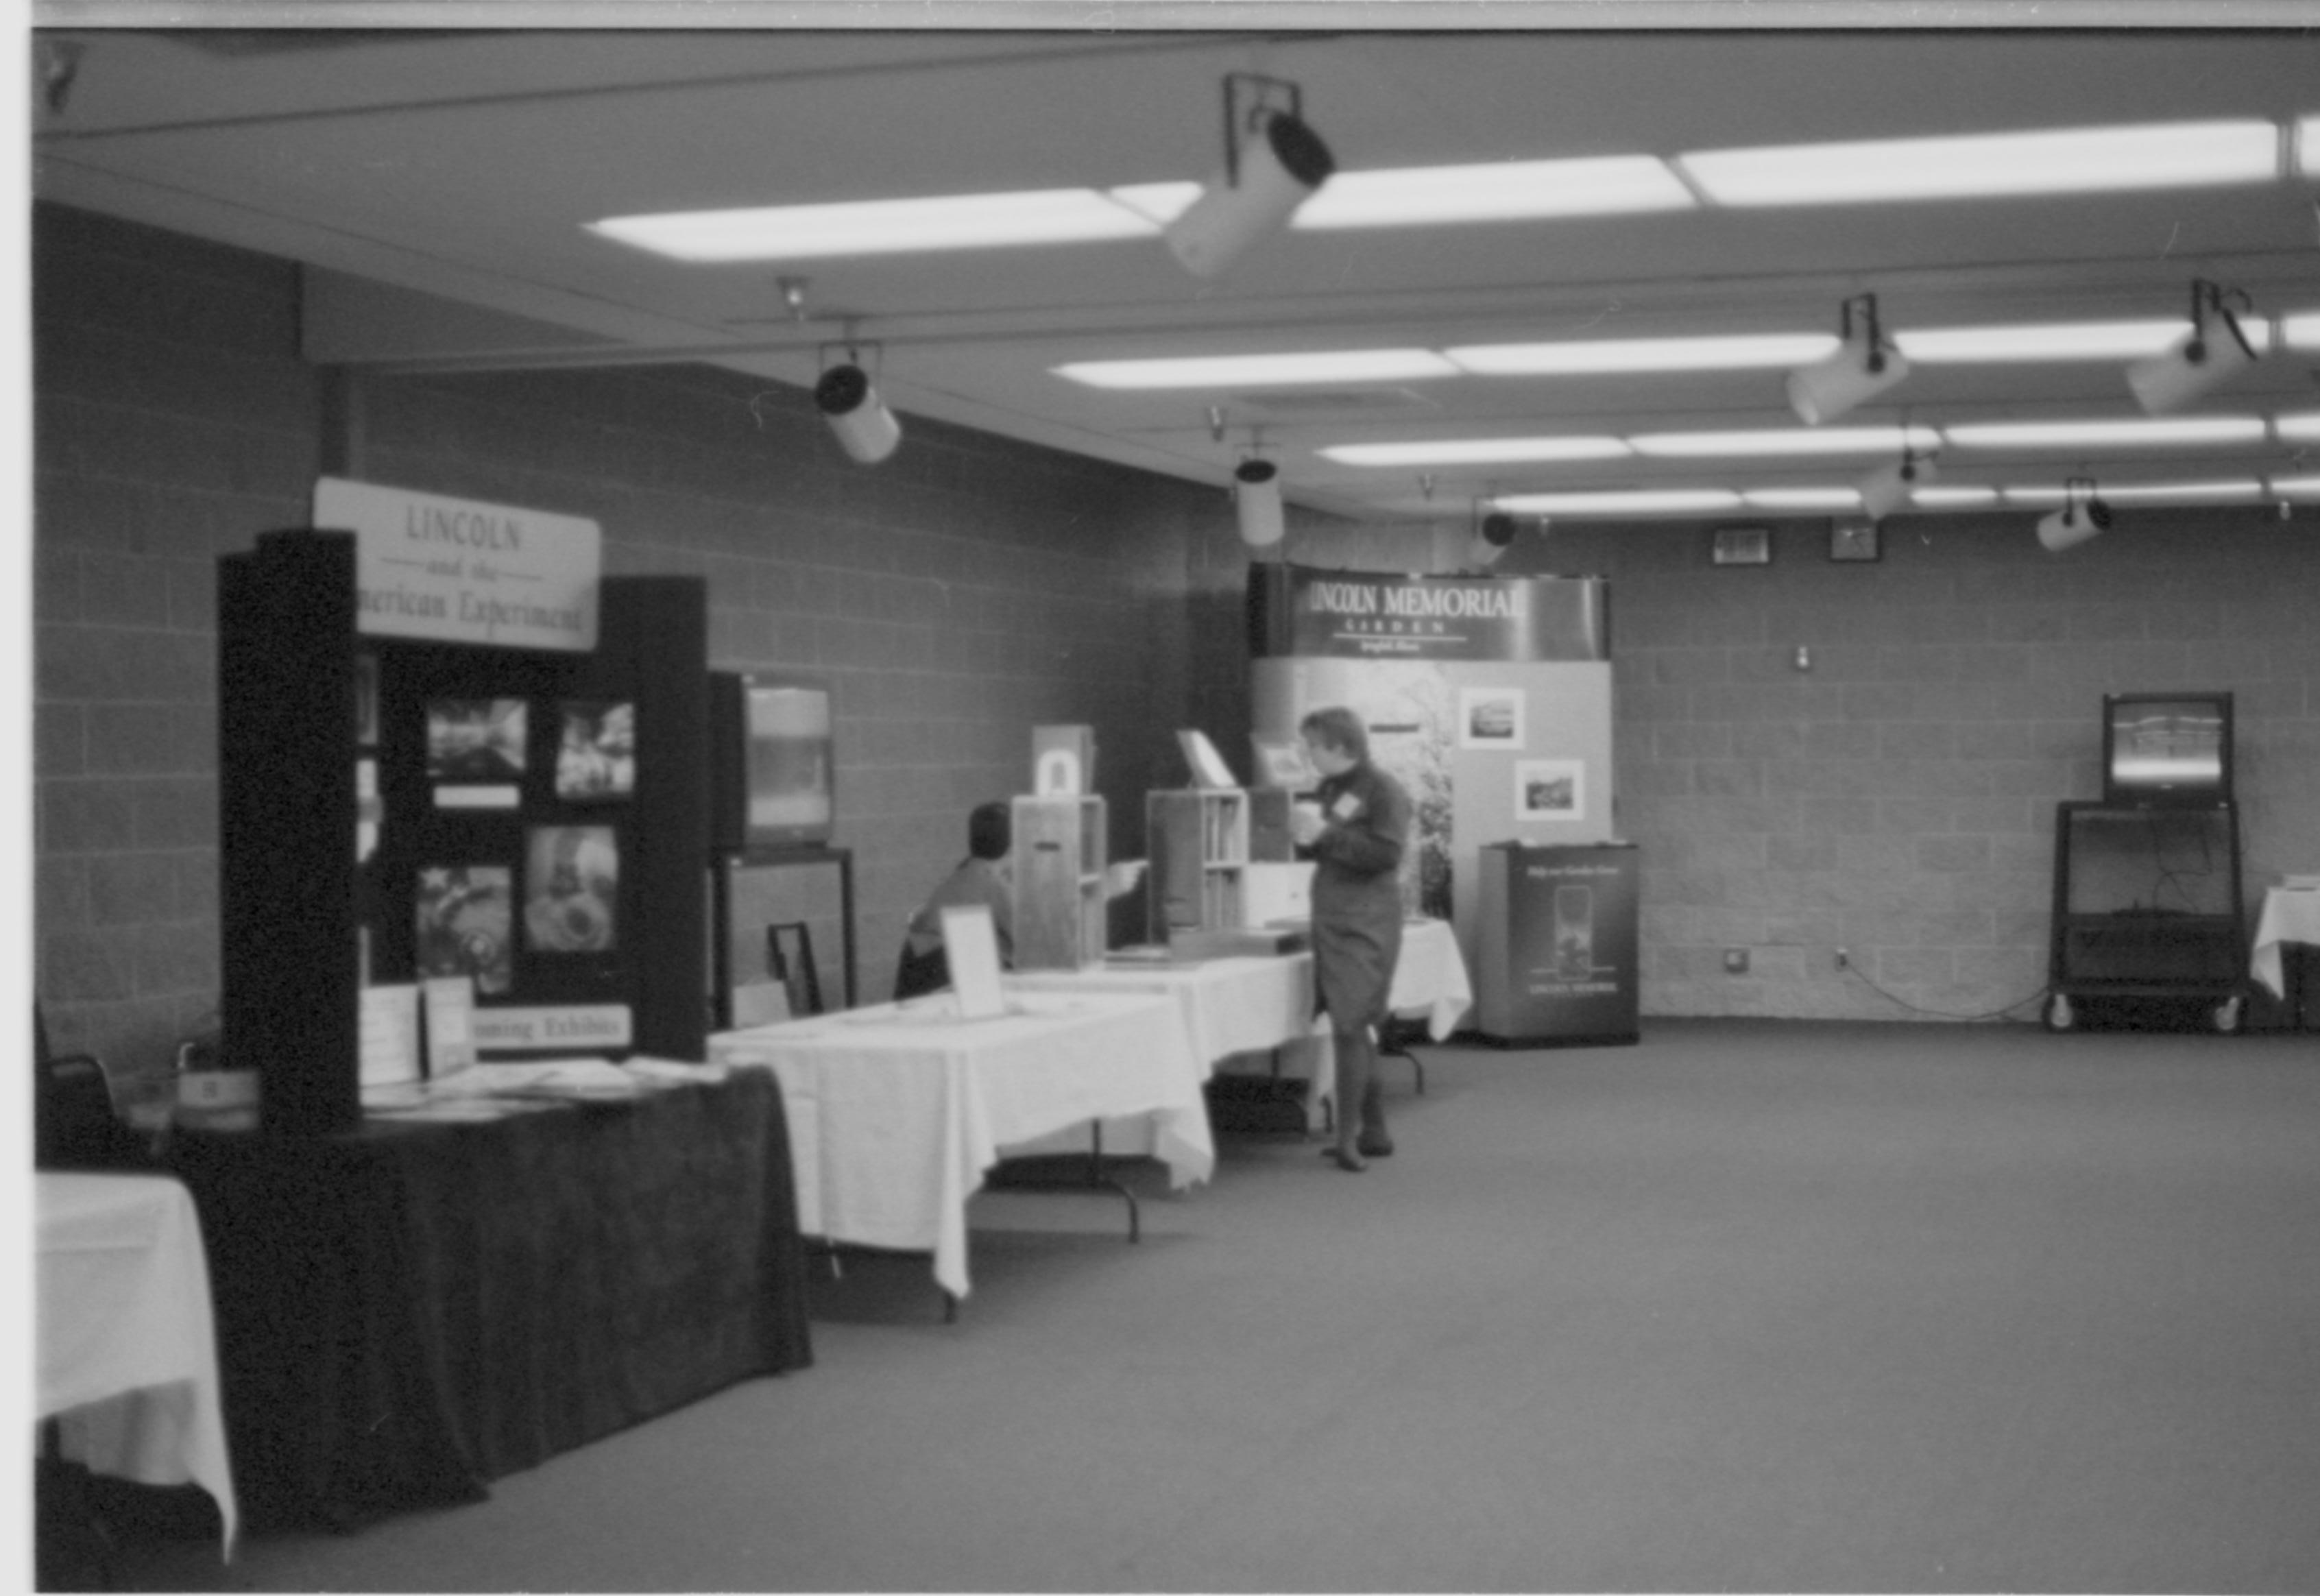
column 2030, row 223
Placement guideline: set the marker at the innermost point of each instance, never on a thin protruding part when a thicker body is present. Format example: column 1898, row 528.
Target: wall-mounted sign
column 459, row 571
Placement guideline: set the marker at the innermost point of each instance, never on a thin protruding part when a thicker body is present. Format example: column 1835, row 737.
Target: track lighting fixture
column 1256, row 498
column 1889, row 488
column 1862, row 365
column 2214, row 348
column 1494, row 534
column 865, row 429
column 2082, row 517
column 1273, row 162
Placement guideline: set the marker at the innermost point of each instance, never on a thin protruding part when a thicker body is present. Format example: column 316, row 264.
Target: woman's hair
column 1339, row 729
column 990, row 830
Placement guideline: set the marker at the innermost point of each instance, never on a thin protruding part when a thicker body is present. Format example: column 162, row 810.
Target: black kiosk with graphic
column 1556, row 954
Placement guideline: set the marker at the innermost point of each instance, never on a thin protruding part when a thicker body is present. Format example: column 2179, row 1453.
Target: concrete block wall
column 961, row 593
column 1897, row 799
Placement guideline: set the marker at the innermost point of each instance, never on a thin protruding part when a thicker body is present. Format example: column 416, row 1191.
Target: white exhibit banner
column 459, row 571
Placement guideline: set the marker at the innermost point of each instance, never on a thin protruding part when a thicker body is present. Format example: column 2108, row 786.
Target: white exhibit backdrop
column 1466, row 788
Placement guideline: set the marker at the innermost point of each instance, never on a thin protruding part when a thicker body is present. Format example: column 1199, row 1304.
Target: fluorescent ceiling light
column 2069, row 160
column 2297, row 428
column 1467, row 451
column 1248, row 371
column 2069, row 340
column 2181, row 429
column 2307, row 145
column 2301, row 331
column 880, row 227
column 1623, row 501
column 1801, row 498
column 1787, row 441
column 2297, row 487
column 1952, row 497
column 1588, row 356
column 2238, row 491
column 1494, row 191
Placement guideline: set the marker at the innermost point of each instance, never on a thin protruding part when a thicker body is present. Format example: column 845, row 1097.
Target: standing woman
column 1356, row 833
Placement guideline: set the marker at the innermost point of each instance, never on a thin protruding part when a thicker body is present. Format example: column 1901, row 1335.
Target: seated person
column 981, row 878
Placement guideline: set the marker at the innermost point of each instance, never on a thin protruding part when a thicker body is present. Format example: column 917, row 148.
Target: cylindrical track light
column 866, row 429
column 2077, row 521
column 2213, row 350
column 1862, row 366
column 1889, row 488
column 1272, row 161
column 1256, row 498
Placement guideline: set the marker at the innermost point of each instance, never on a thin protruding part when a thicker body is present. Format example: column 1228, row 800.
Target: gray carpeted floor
column 1747, row 1306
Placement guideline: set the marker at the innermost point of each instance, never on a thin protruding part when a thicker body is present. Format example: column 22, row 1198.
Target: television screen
column 776, row 764
column 2167, row 747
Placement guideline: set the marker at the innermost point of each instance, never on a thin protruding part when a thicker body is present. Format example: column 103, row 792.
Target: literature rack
column 1059, row 883
column 1198, row 844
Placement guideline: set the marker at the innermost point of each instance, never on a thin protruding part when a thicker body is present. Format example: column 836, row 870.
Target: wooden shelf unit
column 1198, row 850
column 1059, row 883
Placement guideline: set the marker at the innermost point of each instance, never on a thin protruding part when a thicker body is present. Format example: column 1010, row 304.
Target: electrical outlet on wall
column 1843, row 959
column 1736, row 961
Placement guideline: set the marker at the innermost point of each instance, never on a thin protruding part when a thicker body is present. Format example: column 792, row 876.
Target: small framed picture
column 1854, row 540
column 1490, row 718
column 1741, row 546
column 1550, row 790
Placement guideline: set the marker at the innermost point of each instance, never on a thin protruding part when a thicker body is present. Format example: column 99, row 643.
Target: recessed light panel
column 2123, row 434
column 2066, row 160
column 1622, row 502
column 1592, row 357
column 1473, row 451
column 881, row 227
column 1249, row 371
column 1786, row 440
column 1494, row 191
column 2069, row 340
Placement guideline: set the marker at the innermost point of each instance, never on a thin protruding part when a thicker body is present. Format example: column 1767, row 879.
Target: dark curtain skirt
column 408, row 1311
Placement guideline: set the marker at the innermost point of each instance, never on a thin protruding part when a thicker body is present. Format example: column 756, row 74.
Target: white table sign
column 459, row 571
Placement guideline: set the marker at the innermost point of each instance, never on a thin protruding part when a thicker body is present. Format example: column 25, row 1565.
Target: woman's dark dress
column 1357, row 894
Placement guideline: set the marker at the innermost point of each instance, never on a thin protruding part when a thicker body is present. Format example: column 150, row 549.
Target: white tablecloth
column 128, row 1346
column 2290, row 914
column 896, row 1111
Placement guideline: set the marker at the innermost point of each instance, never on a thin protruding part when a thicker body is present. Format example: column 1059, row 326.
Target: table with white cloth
column 127, row 1343
column 2290, row 914
column 896, row 1111
column 1236, row 1008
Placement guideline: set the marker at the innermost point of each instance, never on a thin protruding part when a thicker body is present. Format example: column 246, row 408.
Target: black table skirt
column 410, row 1310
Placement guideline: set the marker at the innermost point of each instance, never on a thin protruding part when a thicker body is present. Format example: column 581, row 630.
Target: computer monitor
column 2166, row 749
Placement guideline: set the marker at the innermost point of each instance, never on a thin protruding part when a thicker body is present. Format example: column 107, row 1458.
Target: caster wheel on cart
column 2058, row 1013
column 2226, row 1017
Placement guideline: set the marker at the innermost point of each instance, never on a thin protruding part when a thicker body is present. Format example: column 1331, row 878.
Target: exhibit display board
column 395, row 810
column 1488, row 698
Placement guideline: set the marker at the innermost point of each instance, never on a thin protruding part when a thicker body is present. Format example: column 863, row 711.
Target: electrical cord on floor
column 2007, row 1013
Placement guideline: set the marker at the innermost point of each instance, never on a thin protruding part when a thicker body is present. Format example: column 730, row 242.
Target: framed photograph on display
column 1741, row 546
column 1855, row 539
column 466, row 924
column 1550, row 790
column 1490, row 718
column 571, row 888
column 477, row 752
column 367, row 700
column 596, row 752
